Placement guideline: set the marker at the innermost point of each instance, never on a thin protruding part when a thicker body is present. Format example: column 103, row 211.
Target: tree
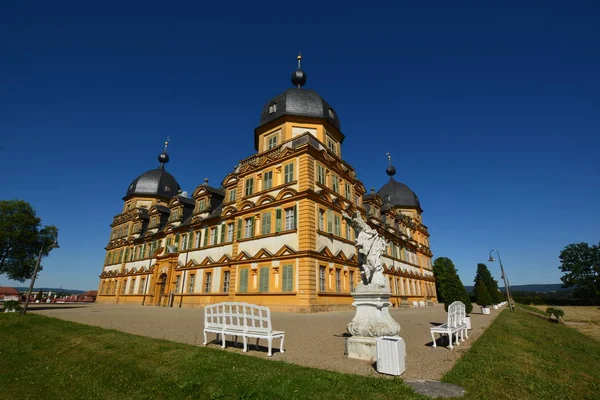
column 449, row 287
column 482, row 295
column 21, row 238
column 484, row 274
column 581, row 264
column 39, row 295
column 443, row 268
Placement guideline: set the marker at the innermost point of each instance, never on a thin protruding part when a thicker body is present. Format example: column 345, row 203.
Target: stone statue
column 370, row 247
column 371, row 297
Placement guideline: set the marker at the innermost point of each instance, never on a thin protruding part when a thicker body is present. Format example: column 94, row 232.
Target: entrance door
column 160, row 290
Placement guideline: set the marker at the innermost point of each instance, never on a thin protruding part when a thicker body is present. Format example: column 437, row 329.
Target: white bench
column 456, row 325
column 241, row 319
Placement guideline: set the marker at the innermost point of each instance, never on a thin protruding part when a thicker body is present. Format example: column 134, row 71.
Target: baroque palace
column 272, row 233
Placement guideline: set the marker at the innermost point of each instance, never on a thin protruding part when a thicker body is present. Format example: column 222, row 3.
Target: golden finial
column 389, row 158
column 167, row 143
column 299, row 59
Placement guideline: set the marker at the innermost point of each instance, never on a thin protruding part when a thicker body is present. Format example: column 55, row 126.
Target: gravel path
column 314, row 340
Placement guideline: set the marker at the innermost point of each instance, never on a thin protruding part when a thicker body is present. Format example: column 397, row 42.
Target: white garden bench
column 241, row 319
column 456, row 324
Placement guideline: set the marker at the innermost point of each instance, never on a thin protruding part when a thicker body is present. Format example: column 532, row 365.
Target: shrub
column 482, row 295
column 556, row 312
column 11, row 306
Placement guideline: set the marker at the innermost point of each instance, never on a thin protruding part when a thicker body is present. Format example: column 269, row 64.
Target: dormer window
column 331, row 114
column 272, row 108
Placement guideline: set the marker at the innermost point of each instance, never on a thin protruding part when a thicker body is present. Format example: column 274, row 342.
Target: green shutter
column 329, row 221
column 278, row 220
column 264, row 280
column 251, row 226
column 295, row 224
column 288, row 278
column 126, row 254
column 205, row 230
column 243, row 280
column 190, row 240
column 223, row 228
column 239, row 231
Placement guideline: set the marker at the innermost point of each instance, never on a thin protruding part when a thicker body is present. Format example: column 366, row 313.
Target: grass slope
column 49, row 358
column 524, row 357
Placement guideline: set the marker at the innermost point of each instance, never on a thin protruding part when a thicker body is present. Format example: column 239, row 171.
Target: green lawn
column 49, row 358
column 519, row 357
column 525, row 357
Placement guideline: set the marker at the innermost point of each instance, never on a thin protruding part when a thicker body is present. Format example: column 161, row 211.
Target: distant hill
column 54, row 290
column 541, row 288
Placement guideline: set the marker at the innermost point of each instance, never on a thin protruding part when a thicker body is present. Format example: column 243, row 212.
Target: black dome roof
column 300, row 102
column 155, row 182
column 398, row 195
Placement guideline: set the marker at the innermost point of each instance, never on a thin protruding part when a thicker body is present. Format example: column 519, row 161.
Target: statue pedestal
column 372, row 320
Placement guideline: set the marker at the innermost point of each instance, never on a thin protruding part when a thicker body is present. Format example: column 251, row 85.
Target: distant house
column 8, row 293
column 89, row 296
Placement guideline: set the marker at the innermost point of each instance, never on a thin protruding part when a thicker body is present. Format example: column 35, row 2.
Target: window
column 272, row 108
column 321, row 220
column 197, row 242
column 348, row 191
column 132, row 286
column 190, row 240
column 243, row 280
column 320, row 174
column 335, row 183
column 338, row 281
column 268, row 180
column 177, row 280
column 272, row 141
column 290, row 218
column 223, row 227
column 208, row 282
column 337, row 225
column 357, row 200
column 266, row 223
column 331, row 114
column 201, row 205
column 331, row 145
column 191, row 283
column 142, row 288
column 352, row 281
column 322, row 279
column 288, row 278
column 213, row 236
column 249, row 231
column 226, row 278
column 263, row 285
column 348, row 231
column 230, row 232
column 123, row 283
column 289, row 173
column 249, row 186
column 231, row 194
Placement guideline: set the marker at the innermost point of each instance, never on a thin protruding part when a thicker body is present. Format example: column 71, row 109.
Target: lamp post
column 53, row 245
column 504, row 278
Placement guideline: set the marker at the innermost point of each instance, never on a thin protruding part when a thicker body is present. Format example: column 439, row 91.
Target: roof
column 7, row 291
column 155, row 182
column 399, row 195
column 300, row 102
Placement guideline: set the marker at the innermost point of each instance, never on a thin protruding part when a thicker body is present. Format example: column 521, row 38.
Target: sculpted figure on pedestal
column 370, row 247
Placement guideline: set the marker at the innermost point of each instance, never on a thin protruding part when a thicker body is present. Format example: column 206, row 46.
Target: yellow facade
column 271, row 234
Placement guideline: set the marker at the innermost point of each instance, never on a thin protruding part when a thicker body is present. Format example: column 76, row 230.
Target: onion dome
column 298, row 102
column 397, row 194
column 155, row 182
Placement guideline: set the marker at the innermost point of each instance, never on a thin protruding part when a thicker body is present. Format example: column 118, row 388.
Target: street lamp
column 504, row 278
column 52, row 245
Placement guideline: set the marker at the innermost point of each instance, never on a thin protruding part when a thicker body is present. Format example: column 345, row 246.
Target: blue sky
column 490, row 112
